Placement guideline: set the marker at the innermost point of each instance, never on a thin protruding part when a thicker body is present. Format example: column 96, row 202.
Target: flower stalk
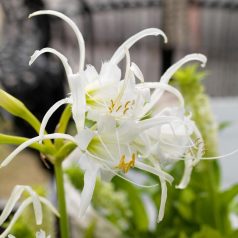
column 63, row 220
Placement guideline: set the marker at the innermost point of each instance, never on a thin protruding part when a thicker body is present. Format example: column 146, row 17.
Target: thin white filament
column 75, row 29
column 221, row 156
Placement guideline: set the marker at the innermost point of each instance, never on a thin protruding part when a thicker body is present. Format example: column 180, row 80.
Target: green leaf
column 207, row 232
column 18, row 109
column 228, row 195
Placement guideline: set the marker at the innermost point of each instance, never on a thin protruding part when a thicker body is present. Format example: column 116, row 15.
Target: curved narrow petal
column 90, row 177
column 33, row 140
column 22, row 207
column 171, row 70
column 63, row 59
column 186, row 175
column 163, row 200
column 157, row 94
column 49, row 205
column 73, row 26
column 36, row 205
column 120, row 52
column 154, row 100
column 155, row 171
column 78, row 101
column 49, row 113
column 136, row 70
column 155, row 121
column 15, row 196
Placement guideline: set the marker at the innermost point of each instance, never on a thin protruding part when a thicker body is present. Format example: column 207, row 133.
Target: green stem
column 64, row 226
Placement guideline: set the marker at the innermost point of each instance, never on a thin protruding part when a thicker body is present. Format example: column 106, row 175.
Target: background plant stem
column 64, row 226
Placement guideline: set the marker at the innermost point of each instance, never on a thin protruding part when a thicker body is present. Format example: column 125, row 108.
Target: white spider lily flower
column 34, row 199
column 87, row 87
column 39, row 234
column 129, row 130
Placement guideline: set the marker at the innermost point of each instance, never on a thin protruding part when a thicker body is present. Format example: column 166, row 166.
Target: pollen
column 126, row 166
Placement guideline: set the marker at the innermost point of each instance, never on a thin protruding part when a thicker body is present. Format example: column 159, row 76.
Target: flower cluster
column 129, row 127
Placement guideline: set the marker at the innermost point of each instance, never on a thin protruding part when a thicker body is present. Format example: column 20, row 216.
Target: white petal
column 33, row 140
column 106, row 124
column 83, row 138
column 120, row 52
column 49, row 205
column 155, row 97
column 75, row 29
column 186, row 175
column 79, row 101
column 156, row 171
column 18, row 213
column 171, row 70
column 136, row 70
column 15, row 196
column 91, row 73
column 49, row 113
column 156, row 121
column 162, row 200
column 63, row 59
column 109, row 73
column 90, row 177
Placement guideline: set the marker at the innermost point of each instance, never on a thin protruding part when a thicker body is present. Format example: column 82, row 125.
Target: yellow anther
column 127, row 103
column 113, row 104
column 126, row 166
column 125, row 110
column 118, row 108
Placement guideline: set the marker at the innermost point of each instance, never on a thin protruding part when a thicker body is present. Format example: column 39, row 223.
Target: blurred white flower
column 33, row 199
column 39, row 234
